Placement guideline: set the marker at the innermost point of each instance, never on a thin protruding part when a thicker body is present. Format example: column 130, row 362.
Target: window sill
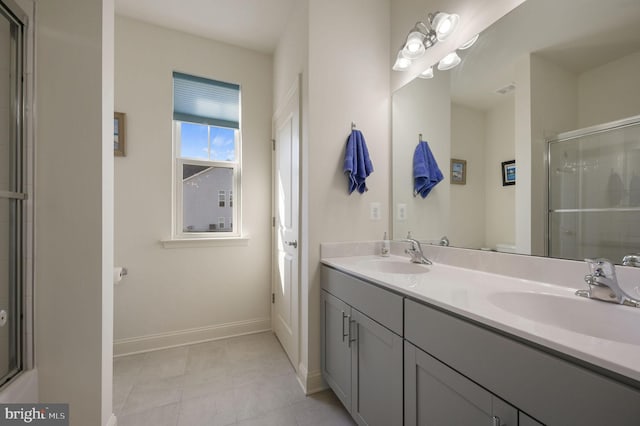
column 242, row 241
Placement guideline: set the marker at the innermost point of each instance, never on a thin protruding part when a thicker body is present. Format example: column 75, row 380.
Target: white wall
column 422, row 107
column 616, row 80
column 500, row 202
column 181, row 295
column 554, row 109
column 348, row 81
column 468, row 142
column 74, row 249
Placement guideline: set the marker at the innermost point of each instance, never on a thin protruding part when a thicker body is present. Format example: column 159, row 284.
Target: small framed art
column 118, row 134
column 458, row 171
column 508, row 172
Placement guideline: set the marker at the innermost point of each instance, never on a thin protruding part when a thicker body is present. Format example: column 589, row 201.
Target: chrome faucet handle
column 415, row 251
column 603, row 284
column 602, row 267
column 444, row 241
column 632, row 259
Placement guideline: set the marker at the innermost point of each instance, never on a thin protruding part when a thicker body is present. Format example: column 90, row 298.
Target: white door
column 286, row 124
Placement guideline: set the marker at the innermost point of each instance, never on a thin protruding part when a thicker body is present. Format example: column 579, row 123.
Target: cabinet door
column 377, row 373
column 436, row 395
column 336, row 353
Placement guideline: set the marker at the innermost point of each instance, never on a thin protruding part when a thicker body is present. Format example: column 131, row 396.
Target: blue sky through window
column 194, row 143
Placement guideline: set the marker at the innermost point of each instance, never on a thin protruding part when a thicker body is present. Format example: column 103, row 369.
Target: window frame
column 178, row 232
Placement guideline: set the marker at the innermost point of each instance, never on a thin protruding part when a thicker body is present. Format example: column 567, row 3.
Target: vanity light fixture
column 401, row 63
column 428, row 73
column 469, row 43
column 444, row 24
column 423, row 35
column 449, row 61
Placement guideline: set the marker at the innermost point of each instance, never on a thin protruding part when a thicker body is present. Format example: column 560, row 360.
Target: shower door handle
column 13, row 195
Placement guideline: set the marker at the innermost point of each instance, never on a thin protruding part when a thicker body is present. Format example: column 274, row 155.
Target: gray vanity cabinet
column 555, row 391
column 361, row 357
column 438, row 395
column 336, row 350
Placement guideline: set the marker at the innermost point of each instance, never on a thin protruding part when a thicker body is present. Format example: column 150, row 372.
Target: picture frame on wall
column 458, row 171
column 508, row 172
column 119, row 141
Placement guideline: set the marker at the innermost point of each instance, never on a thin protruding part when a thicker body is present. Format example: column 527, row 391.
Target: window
column 206, row 127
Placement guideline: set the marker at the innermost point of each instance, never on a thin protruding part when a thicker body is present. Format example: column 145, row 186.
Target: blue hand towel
column 426, row 173
column 357, row 164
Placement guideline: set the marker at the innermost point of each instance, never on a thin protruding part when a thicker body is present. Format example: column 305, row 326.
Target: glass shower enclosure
column 594, row 192
column 12, row 191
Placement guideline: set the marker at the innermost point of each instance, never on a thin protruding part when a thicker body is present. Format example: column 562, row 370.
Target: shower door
column 594, row 192
column 12, row 194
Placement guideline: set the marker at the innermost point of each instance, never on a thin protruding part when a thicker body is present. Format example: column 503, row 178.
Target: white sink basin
column 590, row 317
column 393, row 266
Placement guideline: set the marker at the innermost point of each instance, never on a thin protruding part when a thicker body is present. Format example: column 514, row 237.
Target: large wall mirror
column 547, row 68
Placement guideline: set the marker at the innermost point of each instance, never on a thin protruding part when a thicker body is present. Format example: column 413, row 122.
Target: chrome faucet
column 444, row 241
column 415, row 251
column 603, row 284
column 631, row 260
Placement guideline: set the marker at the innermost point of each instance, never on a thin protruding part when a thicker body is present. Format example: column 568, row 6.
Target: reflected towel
column 615, row 189
column 426, row 173
column 357, row 164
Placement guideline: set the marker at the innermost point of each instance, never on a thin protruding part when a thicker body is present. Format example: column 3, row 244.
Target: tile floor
column 244, row 380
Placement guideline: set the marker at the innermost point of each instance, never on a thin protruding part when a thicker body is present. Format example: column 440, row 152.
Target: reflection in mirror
column 531, row 76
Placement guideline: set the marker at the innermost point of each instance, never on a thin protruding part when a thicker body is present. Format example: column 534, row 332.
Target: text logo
column 34, row 414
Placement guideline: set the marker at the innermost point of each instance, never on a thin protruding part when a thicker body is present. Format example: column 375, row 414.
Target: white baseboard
column 158, row 341
column 113, row 420
column 310, row 382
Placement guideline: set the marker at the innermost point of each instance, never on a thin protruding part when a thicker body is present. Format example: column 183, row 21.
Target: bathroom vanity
column 440, row 345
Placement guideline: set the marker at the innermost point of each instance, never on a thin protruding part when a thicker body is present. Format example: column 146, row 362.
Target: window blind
column 205, row 101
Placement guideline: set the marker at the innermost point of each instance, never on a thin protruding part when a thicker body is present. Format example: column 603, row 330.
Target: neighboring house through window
column 206, row 128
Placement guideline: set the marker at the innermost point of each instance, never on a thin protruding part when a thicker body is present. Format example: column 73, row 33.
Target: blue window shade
column 200, row 100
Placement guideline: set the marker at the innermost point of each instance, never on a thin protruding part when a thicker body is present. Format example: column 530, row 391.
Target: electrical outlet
column 374, row 211
column 402, row 212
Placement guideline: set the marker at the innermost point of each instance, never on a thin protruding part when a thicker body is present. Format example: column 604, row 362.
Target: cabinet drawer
column 371, row 300
column 555, row 391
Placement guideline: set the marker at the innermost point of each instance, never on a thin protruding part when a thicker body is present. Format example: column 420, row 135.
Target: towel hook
column 353, row 125
column 419, row 137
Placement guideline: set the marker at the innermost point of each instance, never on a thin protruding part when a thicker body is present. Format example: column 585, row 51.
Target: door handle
column 356, row 323
column 343, row 317
column 496, row 421
column 293, row 243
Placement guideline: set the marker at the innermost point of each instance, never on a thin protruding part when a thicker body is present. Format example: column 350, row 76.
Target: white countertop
column 609, row 334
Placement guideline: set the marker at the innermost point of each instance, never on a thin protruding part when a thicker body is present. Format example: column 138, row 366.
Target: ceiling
column 577, row 35
column 252, row 24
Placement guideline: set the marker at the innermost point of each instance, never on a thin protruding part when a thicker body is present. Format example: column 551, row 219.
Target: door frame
column 295, row 90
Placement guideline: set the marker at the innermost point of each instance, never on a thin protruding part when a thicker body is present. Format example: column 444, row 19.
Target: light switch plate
column 402, row 212
column 374, row 211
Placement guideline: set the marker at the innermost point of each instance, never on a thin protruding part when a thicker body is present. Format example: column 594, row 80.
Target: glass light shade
column 428, row 73
column 469, row 43
column 414, row 47
column 444, row 24
column 449, row 61
column 401, row 63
